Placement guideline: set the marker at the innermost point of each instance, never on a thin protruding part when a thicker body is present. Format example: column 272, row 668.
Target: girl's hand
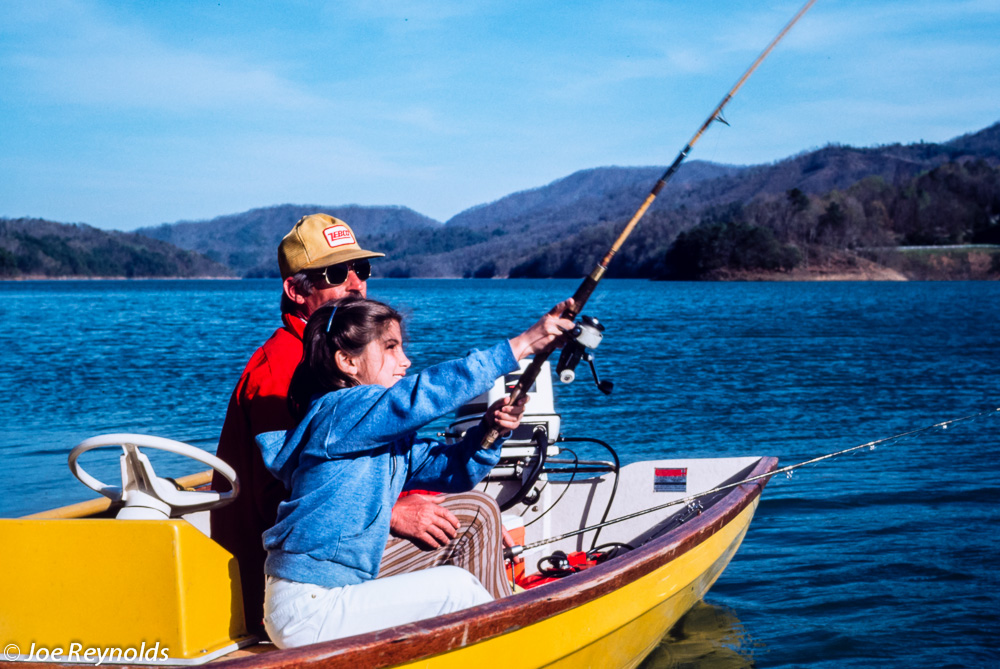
column 505, row 416
column 544, row 335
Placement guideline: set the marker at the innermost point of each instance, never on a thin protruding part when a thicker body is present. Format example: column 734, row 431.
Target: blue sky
column 122, row 114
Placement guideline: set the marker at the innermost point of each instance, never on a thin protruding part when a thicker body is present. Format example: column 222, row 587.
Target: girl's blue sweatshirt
column 355, row 451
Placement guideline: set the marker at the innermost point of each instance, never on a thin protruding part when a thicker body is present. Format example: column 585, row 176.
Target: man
column 320, row 260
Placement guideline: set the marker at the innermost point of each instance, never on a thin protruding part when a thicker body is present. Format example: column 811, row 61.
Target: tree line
column 955, row 203
column 35, row 247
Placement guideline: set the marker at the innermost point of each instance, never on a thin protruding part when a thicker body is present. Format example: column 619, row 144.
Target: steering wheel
column 145, row 495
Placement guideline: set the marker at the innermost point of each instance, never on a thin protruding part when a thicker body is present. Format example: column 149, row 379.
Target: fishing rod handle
column 528, row 377
column 583, row 293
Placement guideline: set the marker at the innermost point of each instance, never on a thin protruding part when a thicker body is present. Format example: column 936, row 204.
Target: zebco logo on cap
column 338, row 235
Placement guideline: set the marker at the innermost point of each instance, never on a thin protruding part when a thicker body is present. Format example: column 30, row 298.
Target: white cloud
column 95, row 61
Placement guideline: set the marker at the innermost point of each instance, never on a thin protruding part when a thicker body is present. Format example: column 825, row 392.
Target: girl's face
column 383, row 361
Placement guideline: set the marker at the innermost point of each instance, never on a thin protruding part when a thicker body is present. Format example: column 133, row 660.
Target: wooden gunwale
column 424, row 639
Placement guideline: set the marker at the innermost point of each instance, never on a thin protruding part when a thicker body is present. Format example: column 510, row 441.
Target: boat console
column 144, row 587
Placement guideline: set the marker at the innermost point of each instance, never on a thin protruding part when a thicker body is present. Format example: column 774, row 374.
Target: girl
column 351, row 455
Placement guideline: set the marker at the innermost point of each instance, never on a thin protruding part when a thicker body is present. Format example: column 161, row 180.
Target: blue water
column 886, row 558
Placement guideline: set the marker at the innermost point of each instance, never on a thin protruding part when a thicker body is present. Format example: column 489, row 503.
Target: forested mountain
column 599, row 190
column 985, row 143
column 31, row 247
column 830, row 207
column 956, row 203
column 562, row 228
column 248, row 242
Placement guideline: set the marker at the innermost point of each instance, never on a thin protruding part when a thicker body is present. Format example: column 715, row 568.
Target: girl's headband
column 330, row 322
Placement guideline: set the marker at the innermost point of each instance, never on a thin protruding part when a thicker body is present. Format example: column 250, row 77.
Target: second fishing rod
column 787, row 470
column 590, row 282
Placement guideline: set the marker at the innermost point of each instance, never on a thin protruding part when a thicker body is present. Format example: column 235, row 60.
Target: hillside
column 598, row 188
column 952, row 209
column 35, row 248
column 248, row 242
column 561, row 228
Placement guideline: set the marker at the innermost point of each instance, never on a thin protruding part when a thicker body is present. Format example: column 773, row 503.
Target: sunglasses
column 337, row 274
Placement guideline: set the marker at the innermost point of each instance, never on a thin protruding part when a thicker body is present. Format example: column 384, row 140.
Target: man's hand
column 423, row 521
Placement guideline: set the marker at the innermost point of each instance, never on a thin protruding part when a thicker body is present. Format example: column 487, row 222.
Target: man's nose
column 353, row 283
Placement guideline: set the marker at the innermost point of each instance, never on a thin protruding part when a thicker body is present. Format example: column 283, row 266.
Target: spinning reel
column 531, row 451
column 585, row 337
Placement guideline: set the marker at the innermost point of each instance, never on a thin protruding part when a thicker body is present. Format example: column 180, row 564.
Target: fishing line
column 586, row 288
column 782, row 470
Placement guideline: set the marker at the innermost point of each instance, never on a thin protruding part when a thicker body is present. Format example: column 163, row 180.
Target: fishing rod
column 586, row 288
column 783, row 470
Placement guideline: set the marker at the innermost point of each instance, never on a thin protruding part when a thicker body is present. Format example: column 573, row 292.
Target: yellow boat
column 86, row 588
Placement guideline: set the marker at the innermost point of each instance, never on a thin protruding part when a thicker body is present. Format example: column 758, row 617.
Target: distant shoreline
column 40, row 277
column 966, row 262
column 728, row 277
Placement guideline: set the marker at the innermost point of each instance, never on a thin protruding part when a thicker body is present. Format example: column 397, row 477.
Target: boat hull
column 611, row 615
column 618, row 629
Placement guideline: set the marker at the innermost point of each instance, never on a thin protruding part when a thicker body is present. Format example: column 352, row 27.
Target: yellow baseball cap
column 317, row 241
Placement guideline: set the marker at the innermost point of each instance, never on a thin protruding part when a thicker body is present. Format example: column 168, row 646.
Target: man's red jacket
column 259, row 404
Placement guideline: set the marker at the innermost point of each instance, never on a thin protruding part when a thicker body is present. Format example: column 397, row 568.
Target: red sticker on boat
column 670, row 480
column 338, row 235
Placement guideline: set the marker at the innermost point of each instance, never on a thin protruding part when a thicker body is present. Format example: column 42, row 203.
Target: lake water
column 886, row 558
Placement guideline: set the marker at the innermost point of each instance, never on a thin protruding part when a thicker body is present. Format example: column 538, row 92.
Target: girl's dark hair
column 355, row 323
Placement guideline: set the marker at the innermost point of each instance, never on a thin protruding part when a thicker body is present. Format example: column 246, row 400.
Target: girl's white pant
column 296, row 614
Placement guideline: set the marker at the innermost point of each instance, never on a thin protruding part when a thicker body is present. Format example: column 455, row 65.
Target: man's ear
column 291, row 288
column 346, row 364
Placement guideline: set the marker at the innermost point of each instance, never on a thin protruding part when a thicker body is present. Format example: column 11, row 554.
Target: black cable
column 541, row 439
column 558, row 565
column 555, row 570
column 534, row 520
column 614, row 488
column 601, row 552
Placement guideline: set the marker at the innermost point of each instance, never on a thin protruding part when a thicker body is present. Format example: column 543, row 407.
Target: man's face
column 323, row 292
